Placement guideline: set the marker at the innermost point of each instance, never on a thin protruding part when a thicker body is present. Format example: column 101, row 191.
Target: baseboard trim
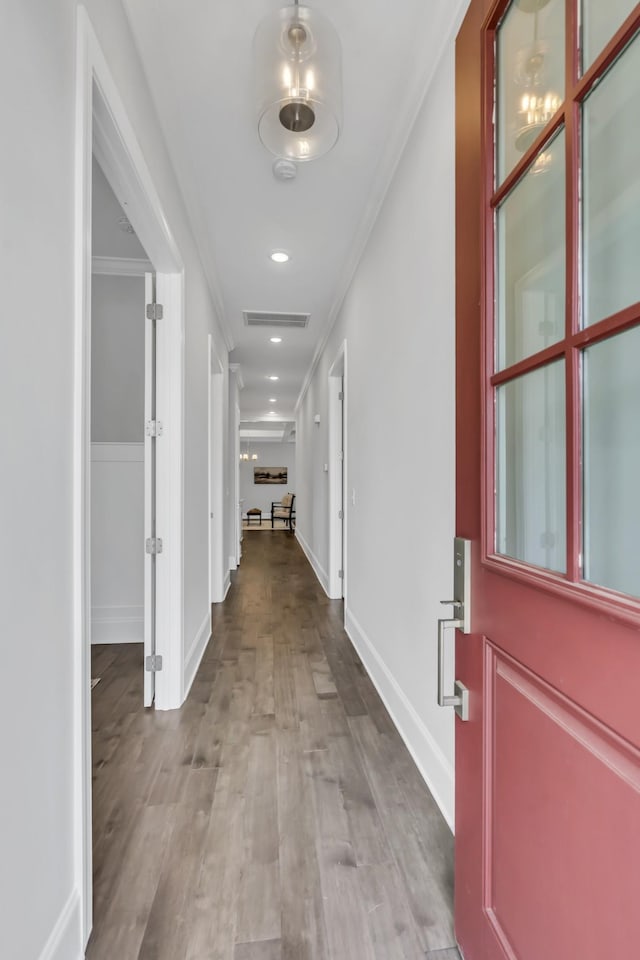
column 318, row 569
column 227, row 585
column 196, row 652
column 435, row 769
column 233, row 563
column 117, row 624
column 65, row 940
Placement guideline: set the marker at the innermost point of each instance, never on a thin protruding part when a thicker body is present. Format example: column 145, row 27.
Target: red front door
column 548, row 479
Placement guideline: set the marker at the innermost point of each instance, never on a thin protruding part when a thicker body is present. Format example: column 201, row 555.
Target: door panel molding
column 539, row 742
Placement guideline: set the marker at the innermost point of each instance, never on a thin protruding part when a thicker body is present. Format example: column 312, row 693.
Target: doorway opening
column 122, row 485
column 337, row 475
column 103, row 132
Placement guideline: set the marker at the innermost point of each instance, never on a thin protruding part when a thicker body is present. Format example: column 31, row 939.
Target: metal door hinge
column 340, row 515
column 341, row 574
column 341, row 395
column 154, row 311
column 153, row 663
column 341, row 455
column 154, row 428
column 153, row 545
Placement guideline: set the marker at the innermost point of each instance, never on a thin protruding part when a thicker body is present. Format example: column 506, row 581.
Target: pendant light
column 247, row 455
column 537, row 104
column 297, row 59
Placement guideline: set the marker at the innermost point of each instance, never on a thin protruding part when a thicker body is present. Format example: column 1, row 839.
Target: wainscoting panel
column 117, row 542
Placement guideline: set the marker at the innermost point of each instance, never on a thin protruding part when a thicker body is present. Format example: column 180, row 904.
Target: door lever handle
column 459, row 699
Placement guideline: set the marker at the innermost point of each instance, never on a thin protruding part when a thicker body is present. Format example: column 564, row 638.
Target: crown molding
column 120, row 266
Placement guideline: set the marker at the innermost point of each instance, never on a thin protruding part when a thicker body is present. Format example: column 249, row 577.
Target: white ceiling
column 197, row 56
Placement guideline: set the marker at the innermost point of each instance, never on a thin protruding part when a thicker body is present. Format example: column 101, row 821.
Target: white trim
column 103, row 451
column 215, row 521
column 117, row 624
column 170, row 491
column 149, row 512
column 337, row 586
column 416, row 90
column 103, row 127
column 318, row 569
column 120, row 266
column 237, row 370
column 233, row 562
column 433, row 765
column 196, row 653
column 64, row 940
column 226, row 585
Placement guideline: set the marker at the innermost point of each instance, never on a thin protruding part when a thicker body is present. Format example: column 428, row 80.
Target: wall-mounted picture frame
column 270, row 475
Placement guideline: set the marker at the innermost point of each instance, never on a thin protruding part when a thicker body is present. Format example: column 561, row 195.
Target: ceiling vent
column 263, row 318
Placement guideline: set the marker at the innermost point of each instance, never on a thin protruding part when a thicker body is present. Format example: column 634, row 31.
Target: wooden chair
column 283, row 510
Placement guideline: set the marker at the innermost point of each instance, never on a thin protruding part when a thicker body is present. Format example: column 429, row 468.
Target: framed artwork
column 269, row 474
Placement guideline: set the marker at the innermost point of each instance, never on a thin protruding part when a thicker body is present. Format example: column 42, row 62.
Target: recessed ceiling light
column 272, row 400
column 274, row 378
column 275, row 339
column 272, row 413
column 279, row 256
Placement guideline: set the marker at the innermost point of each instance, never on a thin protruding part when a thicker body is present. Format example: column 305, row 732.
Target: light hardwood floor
column 277, row 815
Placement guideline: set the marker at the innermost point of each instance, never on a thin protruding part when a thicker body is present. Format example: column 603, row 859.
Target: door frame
column 215, row 499
column 102, row 126
column 337, row 431
column 236, row 384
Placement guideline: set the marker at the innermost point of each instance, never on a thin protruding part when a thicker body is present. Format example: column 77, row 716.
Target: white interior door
column 216, row 490
column 150, row 536
column 337, row 476
column 213, row 546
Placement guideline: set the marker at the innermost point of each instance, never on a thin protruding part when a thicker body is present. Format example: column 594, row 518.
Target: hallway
column 277, row 815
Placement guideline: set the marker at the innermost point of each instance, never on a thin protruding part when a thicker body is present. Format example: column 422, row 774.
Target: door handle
column 459, row 699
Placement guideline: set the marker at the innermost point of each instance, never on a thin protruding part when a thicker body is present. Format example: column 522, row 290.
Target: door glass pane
column 599, row 23
column 530, row 468
column 530, row 264
column 530, row 81
column 611, row 214
column 612, row 462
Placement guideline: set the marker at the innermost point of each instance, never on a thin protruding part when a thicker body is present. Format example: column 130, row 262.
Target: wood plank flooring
column 277, row 815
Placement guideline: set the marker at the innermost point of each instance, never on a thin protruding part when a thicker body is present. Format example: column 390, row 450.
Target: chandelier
column 297, row 58
column 246, row 455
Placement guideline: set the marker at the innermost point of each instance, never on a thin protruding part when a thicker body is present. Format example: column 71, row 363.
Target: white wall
column 398, row 320
column 117, row 543
column 39, row 879
column 261, row 494
column 117, row 359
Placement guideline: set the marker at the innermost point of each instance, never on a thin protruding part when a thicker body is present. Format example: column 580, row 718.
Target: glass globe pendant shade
column 298, row 66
